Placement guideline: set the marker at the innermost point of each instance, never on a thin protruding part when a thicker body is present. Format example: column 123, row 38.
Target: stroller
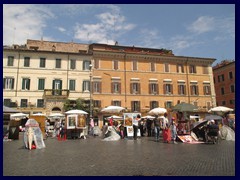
column 211, row 133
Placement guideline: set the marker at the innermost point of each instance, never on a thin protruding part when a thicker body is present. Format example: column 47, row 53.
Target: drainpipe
column 188, row 85
column 17, row 73
column 125, row 82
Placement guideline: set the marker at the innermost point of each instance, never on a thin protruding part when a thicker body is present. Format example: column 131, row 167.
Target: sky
column 195, row 30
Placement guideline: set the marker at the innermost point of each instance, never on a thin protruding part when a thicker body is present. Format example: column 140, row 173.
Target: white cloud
column 21, row 22
column 110, row 26
column 202, row 25
column 61, row 29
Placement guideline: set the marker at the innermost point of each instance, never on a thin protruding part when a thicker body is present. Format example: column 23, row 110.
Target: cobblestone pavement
column 142, row 157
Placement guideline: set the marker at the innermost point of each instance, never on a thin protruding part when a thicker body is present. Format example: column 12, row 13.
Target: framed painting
column 71, row 121
column 81, row 122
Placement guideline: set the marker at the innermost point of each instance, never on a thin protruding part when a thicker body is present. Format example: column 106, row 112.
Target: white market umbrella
column 148, row 117
column 76, row 111
column 112, row 109
column 157, row 111
column 18, row 115
column 39, row 114
column 220, row 109
column 115, row 117
column 55, row 115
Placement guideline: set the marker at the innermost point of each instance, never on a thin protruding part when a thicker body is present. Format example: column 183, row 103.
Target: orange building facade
column 140, row 79
column 224, row 80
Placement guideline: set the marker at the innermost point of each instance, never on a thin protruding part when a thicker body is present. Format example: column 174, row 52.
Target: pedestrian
column 166, row 130
column 149, row 127
column 135, row 126
column 141, row 128
column 121, row 128
column 104, row 130
column 173, row 128
column 157, row 122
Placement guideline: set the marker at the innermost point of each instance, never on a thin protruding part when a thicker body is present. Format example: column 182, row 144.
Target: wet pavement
column 142, row 157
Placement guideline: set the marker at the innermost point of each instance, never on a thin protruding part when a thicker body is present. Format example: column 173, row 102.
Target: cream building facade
column 41, row 75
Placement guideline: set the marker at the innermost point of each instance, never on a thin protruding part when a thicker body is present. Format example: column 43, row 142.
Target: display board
column 128, row 123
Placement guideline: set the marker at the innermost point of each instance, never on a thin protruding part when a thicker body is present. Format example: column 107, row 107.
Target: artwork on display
column 71, row 121
column 128, row 123
column 81, row 121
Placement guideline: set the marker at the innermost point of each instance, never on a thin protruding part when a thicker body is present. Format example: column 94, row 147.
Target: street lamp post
column 90, row 89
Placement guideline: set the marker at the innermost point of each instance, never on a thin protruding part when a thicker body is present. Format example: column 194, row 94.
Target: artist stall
column 128, row 124
column 76, row 126
column 40, row 118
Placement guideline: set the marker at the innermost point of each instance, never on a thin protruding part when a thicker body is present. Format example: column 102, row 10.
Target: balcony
column 56, row 93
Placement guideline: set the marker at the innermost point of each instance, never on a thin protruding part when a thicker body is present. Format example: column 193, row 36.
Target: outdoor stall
column 128, row 124
column 40, row 118
column 75, row 126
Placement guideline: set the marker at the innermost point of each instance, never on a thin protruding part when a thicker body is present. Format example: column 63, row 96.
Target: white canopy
column 76, row 111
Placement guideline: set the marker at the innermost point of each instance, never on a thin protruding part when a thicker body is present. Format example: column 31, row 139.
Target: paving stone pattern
column 142, row 157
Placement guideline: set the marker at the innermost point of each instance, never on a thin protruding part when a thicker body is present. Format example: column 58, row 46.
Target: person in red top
column 111, row 121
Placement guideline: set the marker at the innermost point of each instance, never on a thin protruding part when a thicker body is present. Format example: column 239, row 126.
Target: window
column 86, row 86
column 205, row 69
column 96, row 87
column 166, row 67
column 192, row 69
column 223, row 103
column 181, row 89
column 7, row 102
column 230, row 75
column 135, row 88
column 72, row 64
column 168, row 104
column 180, row 68
column 86, row 64
column 25, row 84
column 116, row 103
column 153, row 88
column 115, row 64
column 72, row 85
column 10, row 60
column 41, row 84
column 153, row 104
column 135, row 106
column 194, row 89
column 8, row 83
column 152, row 66
column 167, row 89
column 116, row 87
column 207, row 90
column 58, row 63
column 24, row 103
column 42, row 62
column 221, row 78
column 232, row 89
column 97, row 103
column 26, row 61
column 232, row 102
column 222, row 91
column 134, row 65
column 40, row 103
column 96, row 63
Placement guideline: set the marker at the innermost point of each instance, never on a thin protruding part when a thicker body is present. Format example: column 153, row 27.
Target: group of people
column 160, row 124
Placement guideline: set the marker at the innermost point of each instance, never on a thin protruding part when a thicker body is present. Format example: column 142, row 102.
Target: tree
column 75, row 104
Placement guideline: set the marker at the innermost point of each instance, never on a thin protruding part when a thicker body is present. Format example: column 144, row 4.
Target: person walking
column 156, row 122
column 149, row 127
column 166, row 130
column 135, row 126
column 173, row 128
